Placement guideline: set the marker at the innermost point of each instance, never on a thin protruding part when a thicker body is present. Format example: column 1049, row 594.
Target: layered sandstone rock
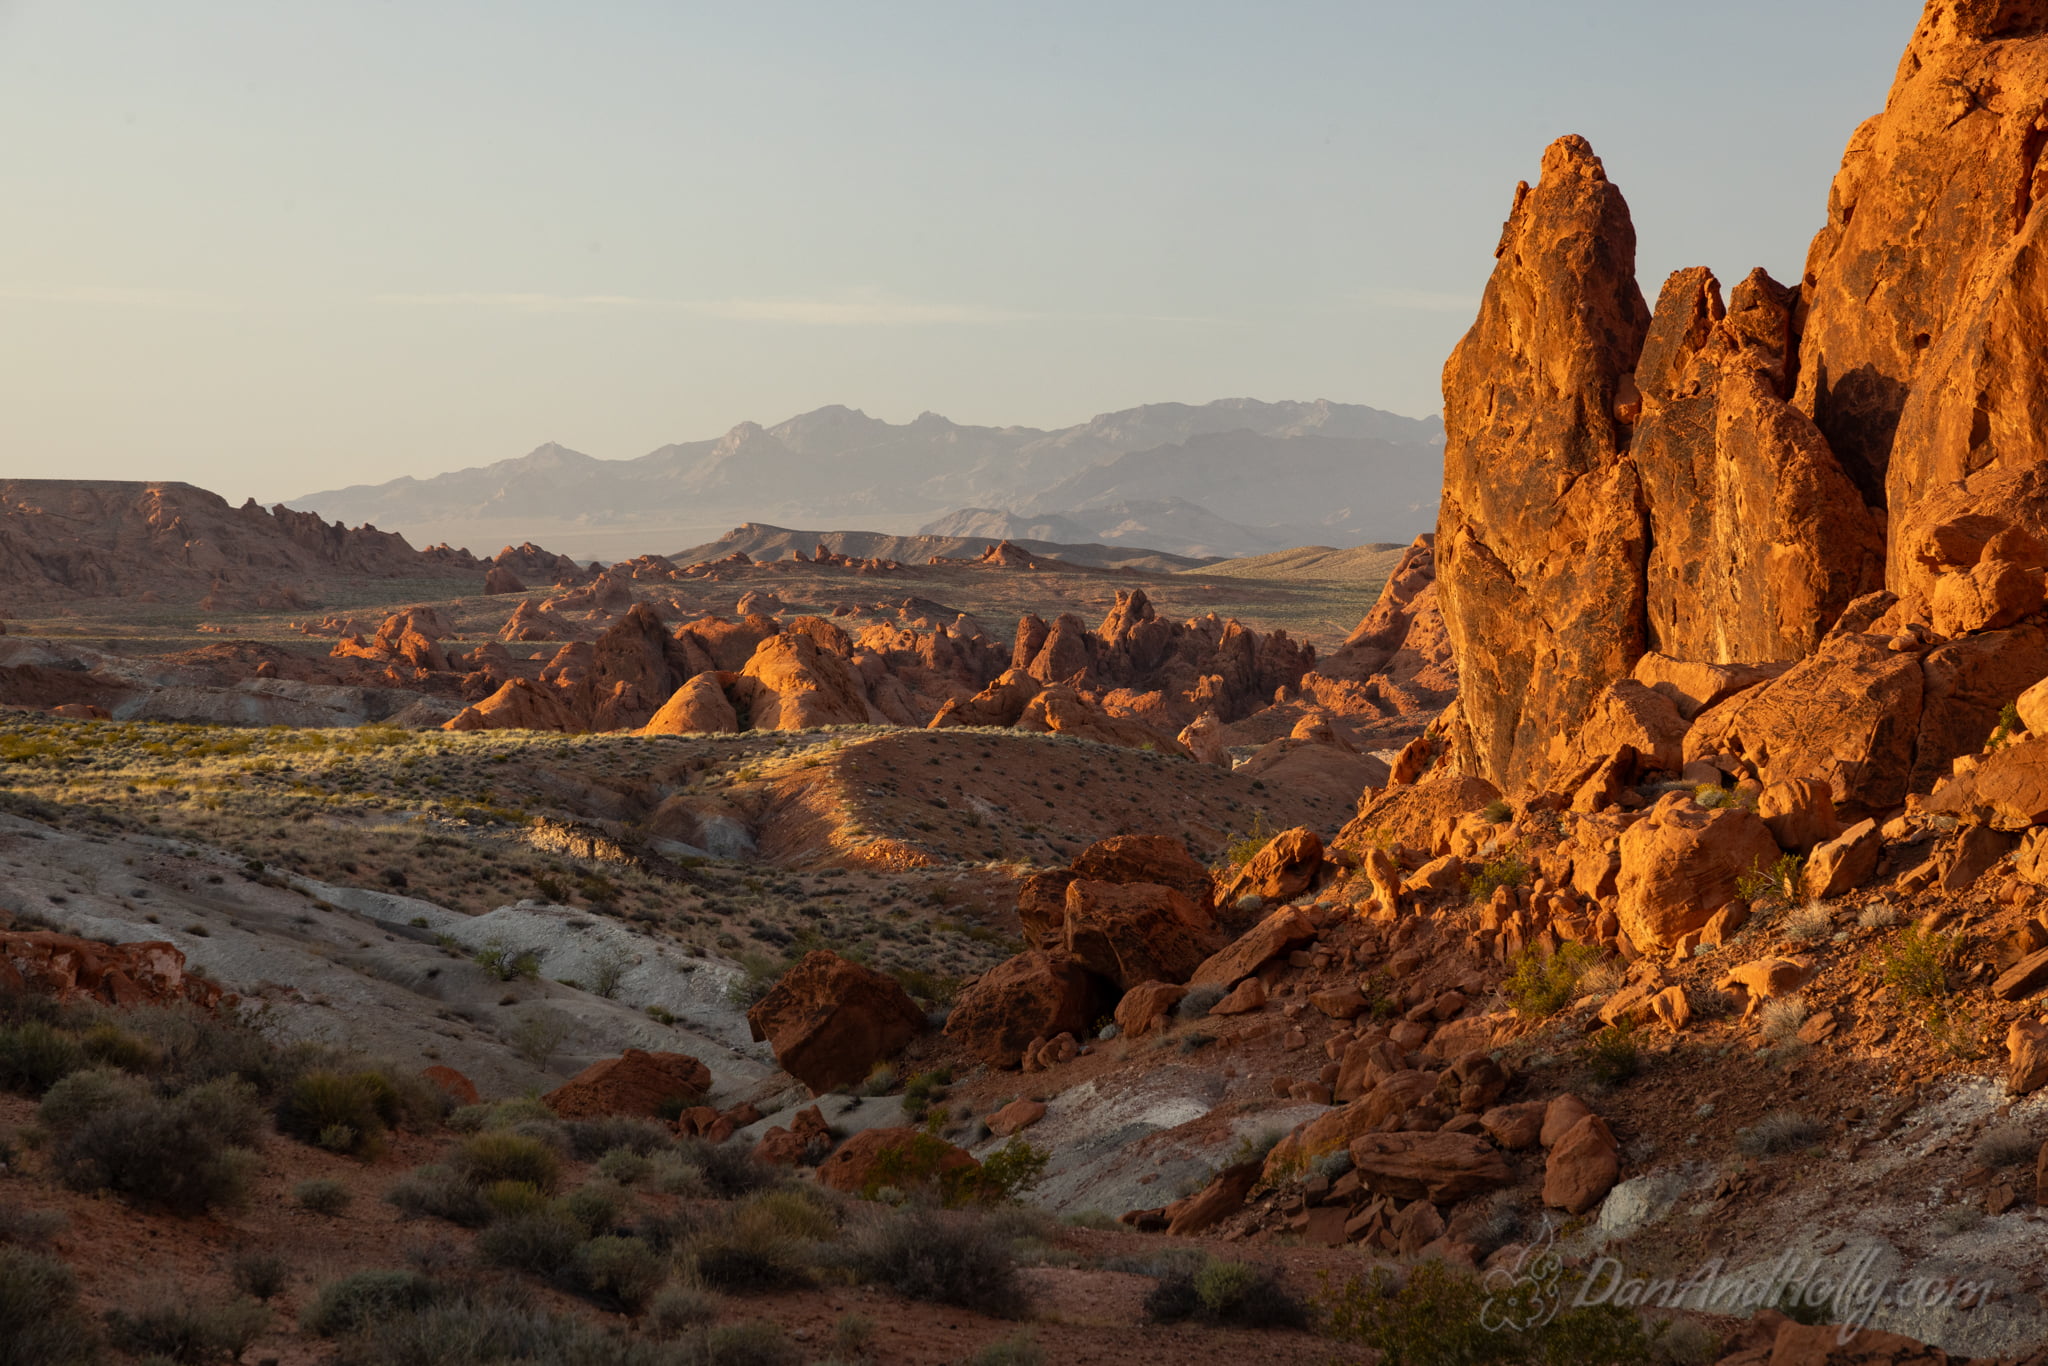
column 1540, row 540
column 831, row 1021
column 72, row 969
column 1758, row 538
column 1036, row 995
column 635, row 1083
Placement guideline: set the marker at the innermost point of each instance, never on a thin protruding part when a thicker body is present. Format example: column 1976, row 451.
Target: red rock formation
column 1540, row 541
column 831, row 1021
column 1758, row 538
column 634, row 1083
column 73, row 969
column 1036, row 995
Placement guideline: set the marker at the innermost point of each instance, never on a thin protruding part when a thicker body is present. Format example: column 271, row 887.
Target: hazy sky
column 271, row 246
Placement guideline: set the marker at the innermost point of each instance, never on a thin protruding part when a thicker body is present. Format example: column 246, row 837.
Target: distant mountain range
column 1232, row 477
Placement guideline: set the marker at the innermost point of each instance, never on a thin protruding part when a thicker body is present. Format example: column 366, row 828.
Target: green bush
column 594, row 1138
column 491, row 1157
column 1538, row 986
column 321, row 1195
column 542, row 1242
column 749, row 1252
column 623, row 1272
column 345, row 1113
column 941, row 1258
column 1612, row 1055
column 34, row 1056
column 1507, row 870
column 184, row 1154
column 87, row 1092
column 676, row 1309
column 760, row 1343
column 40, row 1321
column 180, row 1330
column 357, row 1301
column 259, row 1273
column 727, row 1170
column 1231, row 1294
column 596, row 1205
column 1434, row 1317
column 435, row 1192
column 1918, row 963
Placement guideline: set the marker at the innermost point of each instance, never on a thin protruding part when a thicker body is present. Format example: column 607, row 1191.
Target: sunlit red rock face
column 1725, row 483
column 1540, row 541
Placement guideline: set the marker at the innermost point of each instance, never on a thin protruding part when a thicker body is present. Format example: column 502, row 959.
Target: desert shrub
column 508, row 964
column 1917, row 964
column 1781, row 1018
column 537, row 1033
column 727, row 1170
column 1436, row 1315
column 1239, row 850
column 259, row 1273
column 748, row 1252
column 1879, row 915
column 757, row 977
column 1011, row 1170
column 2007, row 1145
column 511, row 1199
column 30, row 1227
column 494, row 1156
column 1197, row 1001
column 436, row 1192
column 796, row 1211
column 760, row 1343
column 322, row 1195
column 624, row 1272
column 941, row 1258
column 173, row 1327
column 181, row 1154
column 1019, row 1349
column 34, row 1056
column 1509, row 869
column 675, row 1309
column 112, row 1046
column 342, row 1112
column 595, row 1204
column 624, row 1166
column 1497, row 812
column 1810, row 922
column 1781, row 881
column 40, row 1321
column 542, row 1242
column 364, row 1298
column 594, row 1138
column 1611, row 1055
column 1957, row 1219
column 1236, row 1294
column 673, row 1174
column 1784, row 1131
column 1539, row 986
column 77, row 1097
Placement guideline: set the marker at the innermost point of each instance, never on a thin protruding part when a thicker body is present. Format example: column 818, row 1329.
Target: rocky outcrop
column 1540, row 541
column 1758, row 538
column 1137, row 932
column 73, row 969
column 1036, row 995
column 1680, row 863
column 830, row 1021
column 699, row 706
column 634, row 1083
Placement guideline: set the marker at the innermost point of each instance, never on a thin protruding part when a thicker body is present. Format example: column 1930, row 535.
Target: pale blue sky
column 271, row 246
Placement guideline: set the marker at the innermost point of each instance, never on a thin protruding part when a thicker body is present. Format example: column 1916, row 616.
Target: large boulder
column 1285, row 929
column 1849, row 714
column 1042, row 906
column 2009, row 788
column 1161, row 859
column 1679, row 865
column 831, row 1021
column 2026, row 1047
column 1540, row 538
column 1582, row 1167
column 1288, row 866
column 790, row 683
column 519, row 704
column 876, row 1158
column 634, row 1083
column 1137, row 932
column 1441, row 1167
column 1799, row 813
column 1628, row 714
column 1036, row 995
column 1847, row 861
column 1694, row 685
